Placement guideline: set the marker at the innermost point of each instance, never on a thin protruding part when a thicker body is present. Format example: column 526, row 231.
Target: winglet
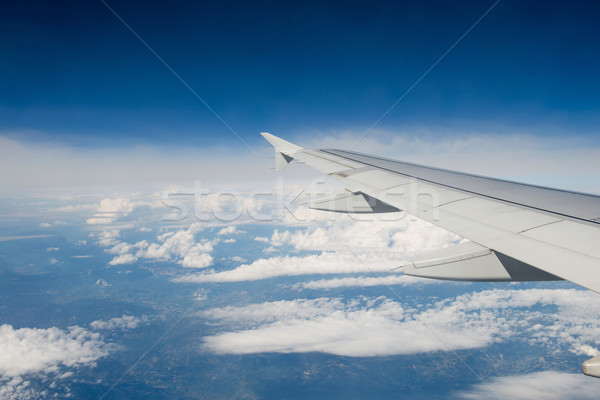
column 284, row 151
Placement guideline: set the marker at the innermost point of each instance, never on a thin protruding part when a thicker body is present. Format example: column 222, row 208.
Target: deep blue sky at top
column 74, row 72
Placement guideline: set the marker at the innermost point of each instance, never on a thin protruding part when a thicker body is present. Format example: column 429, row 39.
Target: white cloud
column 375, row 327
column 181, row 246
column 230, row 230
column 106, row 237
column 176, row 246
column 32, row 350
column 103, row 283
column 52, row 249
column 101, row 220
column 230, row 240
column 77, row 208
column 201, row 295
column 116, row 205
column 83, row 256
column 53, row 260
column 364, row 281
column 546, row 385
column 197, row 260
column 123, row 259
column 45, row 224
column 25, row 237
column 124, row 322
column 120, row 248
column 110, row 209
column 324, row 263
column 16, row 388
column 405, row 236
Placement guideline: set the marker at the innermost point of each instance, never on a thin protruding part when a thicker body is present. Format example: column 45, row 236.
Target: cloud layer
column 346, row 246
column 52, row 164
column 380, row 326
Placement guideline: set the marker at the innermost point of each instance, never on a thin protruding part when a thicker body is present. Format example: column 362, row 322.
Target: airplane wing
column 517, row 232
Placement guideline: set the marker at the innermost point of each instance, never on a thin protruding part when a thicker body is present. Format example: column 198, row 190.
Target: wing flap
column 469, row 261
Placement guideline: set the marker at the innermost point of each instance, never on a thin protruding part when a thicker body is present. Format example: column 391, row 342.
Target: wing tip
column 281, row 146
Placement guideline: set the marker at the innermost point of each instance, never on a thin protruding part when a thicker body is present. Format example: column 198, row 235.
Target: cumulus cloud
column 31, row 350
column 201, row 295
column 110, row 210
column 181, row 246
column 16, row 388
column 196, row 260
column 124, row 322
column 106, row 237
column 230, row 230
column 176, row 246
column 546, row 385
column 103, row 283
column 375, row 327
column 120, row 248
column 123, row 259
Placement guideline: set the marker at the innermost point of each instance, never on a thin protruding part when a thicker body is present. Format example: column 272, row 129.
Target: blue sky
column 73, row 73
